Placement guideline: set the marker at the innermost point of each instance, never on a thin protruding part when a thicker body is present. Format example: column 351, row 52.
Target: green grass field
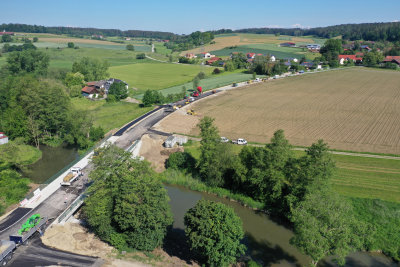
column 156, row 76
column 19, row 154
column 109, row 115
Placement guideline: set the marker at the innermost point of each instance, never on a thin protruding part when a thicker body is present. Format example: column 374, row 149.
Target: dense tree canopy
column 92, row 69
column 28, row 61
column 118, row 90
column 214, row 232
column 127, row 205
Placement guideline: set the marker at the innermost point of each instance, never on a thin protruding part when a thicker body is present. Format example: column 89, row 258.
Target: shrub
column 180, row 160
column 71, row 45
column 216, row 71
column 201, row 75
column 141, row 56
column 111, row 99
column 96, row 133
column 130, row 47
column 214, row 231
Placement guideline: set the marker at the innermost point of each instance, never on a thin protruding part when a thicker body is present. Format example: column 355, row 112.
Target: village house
column 3, row 138
column 314, row 47
column 345, row 58
column 99, row 88
column 6, row 33
column 206, row 55
column 251, row 55
column 212, row 60
column 392, row 59
column 288, row 44
column 190, row 55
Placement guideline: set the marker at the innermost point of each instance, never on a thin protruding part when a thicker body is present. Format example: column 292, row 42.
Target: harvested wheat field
column 352, row 109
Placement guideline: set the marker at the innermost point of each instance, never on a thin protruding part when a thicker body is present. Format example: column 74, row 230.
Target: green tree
column 96, row 133
column 71, row 45
column 324, row 225
column 130, row 47
column 118, row 89
column 92, row 69
column 214, row 231
column 74, row 82
column 35, row 39
column 229, row 66
column 148, row 98
column 28, row 61
column 196, row 82
column 201, row 75
column 6, row 38
column 127, row 205
column 141, row 56
column 372, row 59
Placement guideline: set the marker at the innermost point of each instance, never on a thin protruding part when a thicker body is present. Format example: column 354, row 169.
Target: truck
column 73, row 174
column 33, row 224
column 239, row 141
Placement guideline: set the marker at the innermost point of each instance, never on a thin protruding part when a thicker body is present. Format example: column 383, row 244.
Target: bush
column 201, row 75
column 71, row 45
column 35, row 39
column 111, row 99
column 216, row 71
column 214, row 231
column 118, row 89
column 130, row 47
column 141, row 56
column 180, row 160
column 96, row 133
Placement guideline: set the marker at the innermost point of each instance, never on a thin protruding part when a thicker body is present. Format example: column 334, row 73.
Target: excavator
column 29, row 224
column 191, row 112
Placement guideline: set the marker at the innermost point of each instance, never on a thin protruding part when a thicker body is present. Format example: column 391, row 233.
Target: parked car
column 240, row 141
column 191, row 99
column 195, row 94
column 224, row 139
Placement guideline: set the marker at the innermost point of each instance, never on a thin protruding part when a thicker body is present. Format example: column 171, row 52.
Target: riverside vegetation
column 293, row 188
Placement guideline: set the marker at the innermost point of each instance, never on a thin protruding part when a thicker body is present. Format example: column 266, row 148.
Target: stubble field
column 353, row 109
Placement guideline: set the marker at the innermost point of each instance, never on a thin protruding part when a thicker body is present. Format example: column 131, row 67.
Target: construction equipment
column 33, row 224
column 71, row 176
column 30, row 223
column 191, row 112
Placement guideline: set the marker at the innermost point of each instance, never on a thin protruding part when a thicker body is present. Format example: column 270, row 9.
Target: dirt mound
column 152, row 149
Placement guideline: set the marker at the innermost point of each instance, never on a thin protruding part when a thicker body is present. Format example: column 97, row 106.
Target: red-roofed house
column 190, row 55
column 212, row 60
column 392, row 59
column 206, row 55
column 251, row 55
column 344, row 58
column 3, row 138
column 6, row 33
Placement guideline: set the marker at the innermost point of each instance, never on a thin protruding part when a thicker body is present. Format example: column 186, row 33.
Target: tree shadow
column 267, row 253
column 176, row 244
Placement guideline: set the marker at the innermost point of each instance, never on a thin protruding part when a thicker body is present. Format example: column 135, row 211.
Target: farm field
column 155, row 75
column 109, row 115
column 226, row 40
column 352, row 109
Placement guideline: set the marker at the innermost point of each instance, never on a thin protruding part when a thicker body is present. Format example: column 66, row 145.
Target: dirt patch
column 179, row 122
column 152, row 149
column 131, row 100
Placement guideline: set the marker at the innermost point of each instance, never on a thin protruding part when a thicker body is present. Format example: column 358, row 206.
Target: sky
column 186, row 16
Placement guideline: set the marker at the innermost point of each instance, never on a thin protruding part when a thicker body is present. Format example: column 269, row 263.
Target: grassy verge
column 385, row 218
column 175, row 177
column 109, row 115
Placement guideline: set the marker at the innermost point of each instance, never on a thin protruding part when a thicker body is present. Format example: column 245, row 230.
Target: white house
column 3, row 138
column 207, row 55
column 272, row 58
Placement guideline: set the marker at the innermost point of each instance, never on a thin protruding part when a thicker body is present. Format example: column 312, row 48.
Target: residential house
column 212, row 60
column 366, row 47
column 307, row 65
column 3, row 138
column 288, row 44
column 206, row 55
column 272, row 58
column 392, row 59
column 94, row 89
column 251, row 55
column 354, row 58
column 190, row 55
column 97, row 36
column 315, row 47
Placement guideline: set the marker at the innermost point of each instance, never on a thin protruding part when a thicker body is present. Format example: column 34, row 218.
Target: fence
column 74, row 206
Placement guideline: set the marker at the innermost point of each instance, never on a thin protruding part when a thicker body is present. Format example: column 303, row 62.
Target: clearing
column 355, row 109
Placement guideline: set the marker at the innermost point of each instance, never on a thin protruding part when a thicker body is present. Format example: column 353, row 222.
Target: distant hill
column 382, row 31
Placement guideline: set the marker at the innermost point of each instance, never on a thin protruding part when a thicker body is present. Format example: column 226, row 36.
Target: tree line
column 385, row 31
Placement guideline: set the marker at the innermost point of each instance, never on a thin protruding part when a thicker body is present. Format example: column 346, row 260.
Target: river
column 53, row 159
column 266, row 240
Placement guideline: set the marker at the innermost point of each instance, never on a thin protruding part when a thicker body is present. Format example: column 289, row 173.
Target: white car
column 240, row 141
column 224, row 140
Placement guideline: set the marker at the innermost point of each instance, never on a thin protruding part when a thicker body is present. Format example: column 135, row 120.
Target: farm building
column 314, row 47
column 212, row 60
column 344, row 58
column 392, row 59
column 251, row 55
column 3, row 138
column 175, row 139
column 190, row 55
column 6, row 33
column 93, row 89
column 288, row 44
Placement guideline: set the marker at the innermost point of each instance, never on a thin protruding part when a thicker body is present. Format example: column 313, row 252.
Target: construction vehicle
column 195, row 94
column 34, row 224
column 72, row 175
column 249, row 82
column 191, row 112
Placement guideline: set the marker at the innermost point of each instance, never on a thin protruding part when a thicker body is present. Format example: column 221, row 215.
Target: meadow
column 109, row 115
column 156, row 75
column 353, row 109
